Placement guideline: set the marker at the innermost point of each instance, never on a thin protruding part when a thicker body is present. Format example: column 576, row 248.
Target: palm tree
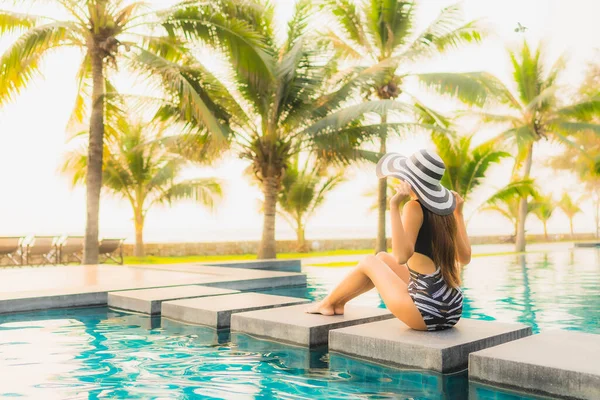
column 585, row 166
column 506, row 201
column 466, row 166
column 380, row 38
column 112, row 35
column 570, row 208
column 287, row 101
column 543, row 208
column 303, row 191
column 532, row 111
column 140, row 168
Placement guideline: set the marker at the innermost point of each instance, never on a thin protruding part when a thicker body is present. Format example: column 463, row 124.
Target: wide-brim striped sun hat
column 422, row 171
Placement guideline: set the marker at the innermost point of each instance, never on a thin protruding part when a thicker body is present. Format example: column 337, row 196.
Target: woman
column 419, row 282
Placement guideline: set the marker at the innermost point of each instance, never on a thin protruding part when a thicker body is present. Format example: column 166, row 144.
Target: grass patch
column 335, row 264
column 236, row 257
column 244, row 257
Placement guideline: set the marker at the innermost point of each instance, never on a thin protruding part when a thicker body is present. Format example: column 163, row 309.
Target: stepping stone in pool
column 444, row 351
column 293, row 325
column 558, row 363
column 148, row 301
column 288, row 356
column 217, row 311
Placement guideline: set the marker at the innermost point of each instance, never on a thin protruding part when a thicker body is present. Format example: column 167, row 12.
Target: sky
column 37, row 199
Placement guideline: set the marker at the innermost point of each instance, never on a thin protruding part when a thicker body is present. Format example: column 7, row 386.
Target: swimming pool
column 98, row 353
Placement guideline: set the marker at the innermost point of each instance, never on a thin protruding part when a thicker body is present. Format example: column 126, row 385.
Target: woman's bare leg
column 399, row 269
column 391, row 287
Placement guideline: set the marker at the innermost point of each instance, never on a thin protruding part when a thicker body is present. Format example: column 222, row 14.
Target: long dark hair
column 443, row 235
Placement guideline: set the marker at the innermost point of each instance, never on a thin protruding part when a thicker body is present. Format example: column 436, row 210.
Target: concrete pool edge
column 95, row 294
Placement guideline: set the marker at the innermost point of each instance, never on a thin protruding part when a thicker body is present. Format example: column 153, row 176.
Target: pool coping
column 97, row 295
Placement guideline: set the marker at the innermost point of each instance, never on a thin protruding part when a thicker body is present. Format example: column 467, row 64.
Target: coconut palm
column 289, row 101
column 303, row 192
column 570, row 208
column 139, row 168
column 506, row 201
column 379, row 36
column 466, row 166
column 543, row 208
column 529, row 112
column 112, row 34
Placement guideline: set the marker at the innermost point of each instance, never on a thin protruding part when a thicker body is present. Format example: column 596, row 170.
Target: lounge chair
column 70, row 249
column 43, row 247
column 12, row 248
column 111, row 248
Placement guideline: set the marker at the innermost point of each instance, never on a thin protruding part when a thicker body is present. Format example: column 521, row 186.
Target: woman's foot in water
column 325, row 308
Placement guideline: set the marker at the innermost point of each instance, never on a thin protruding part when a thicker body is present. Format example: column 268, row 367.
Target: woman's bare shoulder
column 412, row 207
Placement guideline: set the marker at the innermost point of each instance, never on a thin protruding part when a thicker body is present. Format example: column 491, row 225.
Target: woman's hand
column 459, row 203
column 402, row 193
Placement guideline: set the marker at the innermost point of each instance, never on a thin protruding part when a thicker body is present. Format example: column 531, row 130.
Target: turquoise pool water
column 99, row 353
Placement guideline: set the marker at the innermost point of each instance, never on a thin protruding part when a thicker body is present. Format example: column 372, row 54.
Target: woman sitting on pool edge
column 430, row 232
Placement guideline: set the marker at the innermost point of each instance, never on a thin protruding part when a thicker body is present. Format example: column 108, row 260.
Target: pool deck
column 38, row 288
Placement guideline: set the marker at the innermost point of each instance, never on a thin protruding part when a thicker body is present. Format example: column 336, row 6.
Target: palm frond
column 444, row 34
column 175, row 79
column 13, row 22
column 474, row 88
column 249, row 53
column 20, row 62
column 582, row 111
column 572, row 127
column 350, row 20
column 206, row 191
column 515, row 189
column 340, row 119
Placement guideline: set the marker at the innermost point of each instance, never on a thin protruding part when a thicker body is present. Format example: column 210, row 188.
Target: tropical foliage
column 140, row 169
column 303, row 191
column 543, row 207
column 569, row 207
column 466, row 165
column 584, row 167
column 506, row 201
column 287, row 99
column 334, row 94
column 528, row 109
column 112, row 35
column 385, row 48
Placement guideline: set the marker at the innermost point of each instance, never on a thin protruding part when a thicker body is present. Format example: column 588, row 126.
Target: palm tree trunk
column 571, row 226
column 139, row 233
column 381, row 241
column 597, row 213
column 300, row 237
column 267, row 244
column 94, row 168
column 520, row 241
column 546, row 231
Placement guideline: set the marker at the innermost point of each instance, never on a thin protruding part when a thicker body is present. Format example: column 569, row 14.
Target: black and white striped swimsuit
column 439, row 304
